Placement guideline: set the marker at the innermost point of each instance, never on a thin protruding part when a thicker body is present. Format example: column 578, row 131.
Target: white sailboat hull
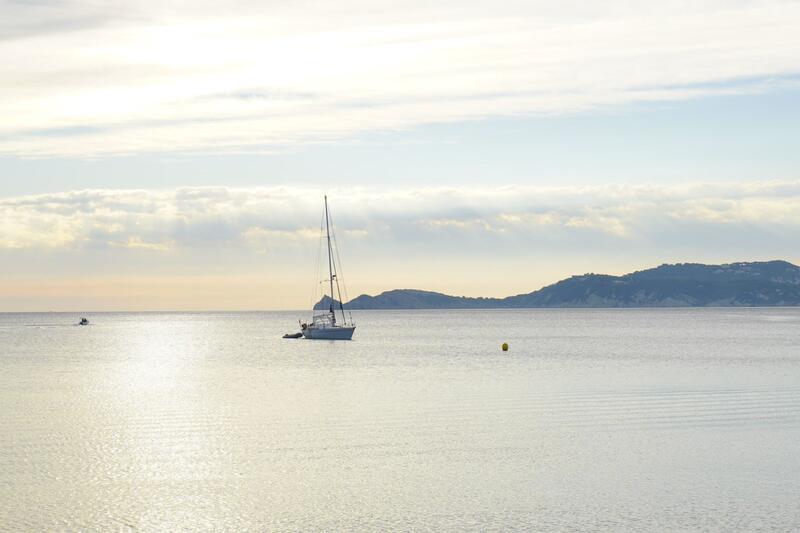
column 334, row 333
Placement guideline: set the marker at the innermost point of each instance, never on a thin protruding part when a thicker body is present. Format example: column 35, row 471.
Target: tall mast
column 330, row 256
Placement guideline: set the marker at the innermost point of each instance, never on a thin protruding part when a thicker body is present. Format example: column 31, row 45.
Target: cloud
column 136, row 243
column 266, row 219
column 250, row 248
column 262, row 77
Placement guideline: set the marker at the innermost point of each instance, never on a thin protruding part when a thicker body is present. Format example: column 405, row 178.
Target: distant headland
column 755, row 284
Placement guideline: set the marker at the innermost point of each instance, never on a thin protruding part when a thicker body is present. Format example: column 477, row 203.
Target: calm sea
column 642, row 420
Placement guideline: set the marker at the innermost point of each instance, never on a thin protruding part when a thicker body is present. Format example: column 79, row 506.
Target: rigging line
column 338, row 288
column 330, row 262
column 338, row 261
column 341, row 271
column 335, row 269
column 339, row 291
column 315, row 288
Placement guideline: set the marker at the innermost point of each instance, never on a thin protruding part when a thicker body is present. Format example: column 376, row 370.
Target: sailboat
column 327, row 325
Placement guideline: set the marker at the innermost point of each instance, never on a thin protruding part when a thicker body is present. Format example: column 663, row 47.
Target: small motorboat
column 292, row 335
column 83, row 322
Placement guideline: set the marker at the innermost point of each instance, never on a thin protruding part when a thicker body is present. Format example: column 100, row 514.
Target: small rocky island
column 768, row 284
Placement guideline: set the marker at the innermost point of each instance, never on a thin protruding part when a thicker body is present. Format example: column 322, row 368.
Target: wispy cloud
column 83, row 80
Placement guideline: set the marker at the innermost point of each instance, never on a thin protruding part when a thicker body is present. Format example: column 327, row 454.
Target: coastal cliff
column 769, row 283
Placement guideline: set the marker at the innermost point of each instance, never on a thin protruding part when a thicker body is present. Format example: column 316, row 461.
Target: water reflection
column 651, row 420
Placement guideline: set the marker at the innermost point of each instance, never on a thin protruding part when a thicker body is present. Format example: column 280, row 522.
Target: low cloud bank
column 259, row 219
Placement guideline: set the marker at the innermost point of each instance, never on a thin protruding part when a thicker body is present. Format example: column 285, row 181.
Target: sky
column 174, row 155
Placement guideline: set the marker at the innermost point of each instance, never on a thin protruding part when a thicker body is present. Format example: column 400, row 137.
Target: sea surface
column 619, row 420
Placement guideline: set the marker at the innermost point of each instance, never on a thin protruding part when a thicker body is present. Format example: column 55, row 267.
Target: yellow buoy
column 505, row 346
